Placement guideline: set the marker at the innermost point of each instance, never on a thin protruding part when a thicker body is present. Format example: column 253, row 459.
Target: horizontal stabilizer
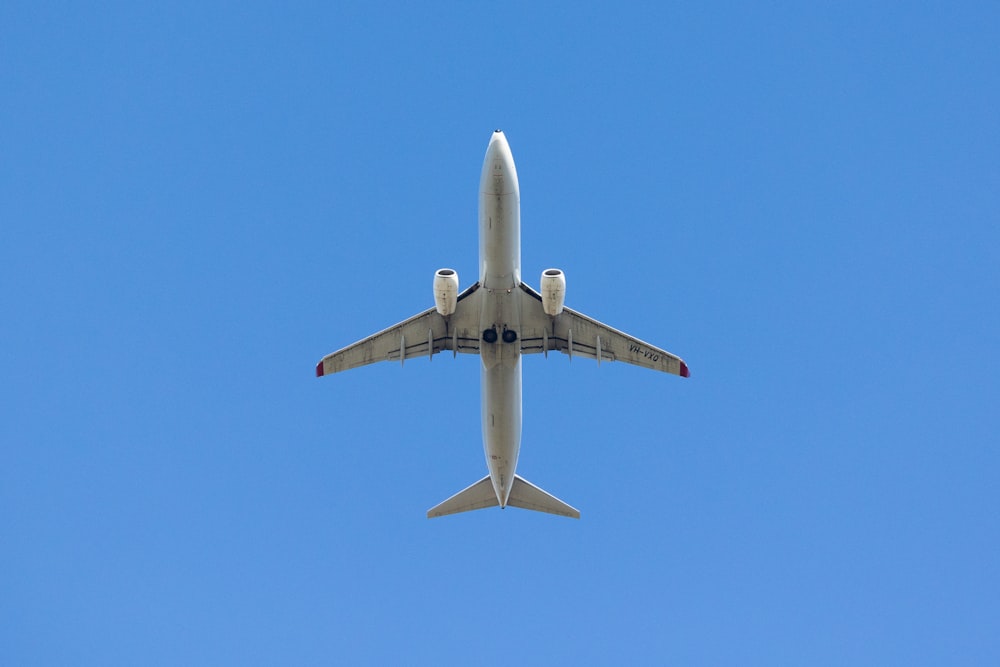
column 475, row 497
column 523, row 494
column 527, row 496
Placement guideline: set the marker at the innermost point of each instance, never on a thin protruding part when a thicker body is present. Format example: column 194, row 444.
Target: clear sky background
column 200, row 200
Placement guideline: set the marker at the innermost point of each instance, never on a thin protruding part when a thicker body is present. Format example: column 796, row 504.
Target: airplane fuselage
column 500, row 275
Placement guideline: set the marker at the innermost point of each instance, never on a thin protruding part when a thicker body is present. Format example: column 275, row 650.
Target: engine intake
column 446, row 291
column 553, row 291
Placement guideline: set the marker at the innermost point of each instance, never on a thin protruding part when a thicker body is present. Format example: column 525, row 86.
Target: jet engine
column 445, row 291
column 553, row 291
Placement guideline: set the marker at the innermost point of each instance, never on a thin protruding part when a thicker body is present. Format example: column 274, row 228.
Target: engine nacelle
column 446, row 291
column 553, row 291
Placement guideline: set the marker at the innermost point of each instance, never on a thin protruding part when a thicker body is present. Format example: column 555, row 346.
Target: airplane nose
column 498, row 175
column 497, row 140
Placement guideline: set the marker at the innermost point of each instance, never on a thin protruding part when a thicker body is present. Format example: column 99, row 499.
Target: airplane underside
column 501, row 318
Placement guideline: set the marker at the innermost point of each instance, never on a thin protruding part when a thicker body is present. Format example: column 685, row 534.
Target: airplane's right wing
column 575, row 334
column 423, row 335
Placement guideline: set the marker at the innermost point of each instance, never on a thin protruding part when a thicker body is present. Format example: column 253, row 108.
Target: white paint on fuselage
column 499, row 218
column 499, row 275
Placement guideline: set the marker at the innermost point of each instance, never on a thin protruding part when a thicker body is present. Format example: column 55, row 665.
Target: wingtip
column 319, row 369
column 685, row 373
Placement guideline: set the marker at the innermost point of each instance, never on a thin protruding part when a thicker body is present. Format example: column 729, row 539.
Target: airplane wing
column 575, row 334
column 423, row 335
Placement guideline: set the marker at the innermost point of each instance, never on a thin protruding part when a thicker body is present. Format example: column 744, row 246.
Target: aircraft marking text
column 652, row 356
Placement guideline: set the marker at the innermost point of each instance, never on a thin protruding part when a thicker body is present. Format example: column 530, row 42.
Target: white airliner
column 500, row 318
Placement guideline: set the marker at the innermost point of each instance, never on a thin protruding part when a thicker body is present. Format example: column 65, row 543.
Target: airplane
column 501, row 318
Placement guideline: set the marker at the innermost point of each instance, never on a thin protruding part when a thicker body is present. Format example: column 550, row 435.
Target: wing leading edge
column 575, row 334
column 423, row 335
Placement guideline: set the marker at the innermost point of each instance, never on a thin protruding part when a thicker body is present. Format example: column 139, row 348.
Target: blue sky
column 200, row 200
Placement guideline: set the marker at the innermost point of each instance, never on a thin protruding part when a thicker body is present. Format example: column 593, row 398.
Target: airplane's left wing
column 423, row 335
column 575, row 334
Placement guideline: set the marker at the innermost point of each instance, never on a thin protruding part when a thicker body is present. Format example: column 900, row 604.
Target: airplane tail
column 523, row 494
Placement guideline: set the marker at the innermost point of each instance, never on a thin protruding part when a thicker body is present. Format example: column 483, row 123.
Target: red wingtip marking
column 685, row 373
column 319, row 369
